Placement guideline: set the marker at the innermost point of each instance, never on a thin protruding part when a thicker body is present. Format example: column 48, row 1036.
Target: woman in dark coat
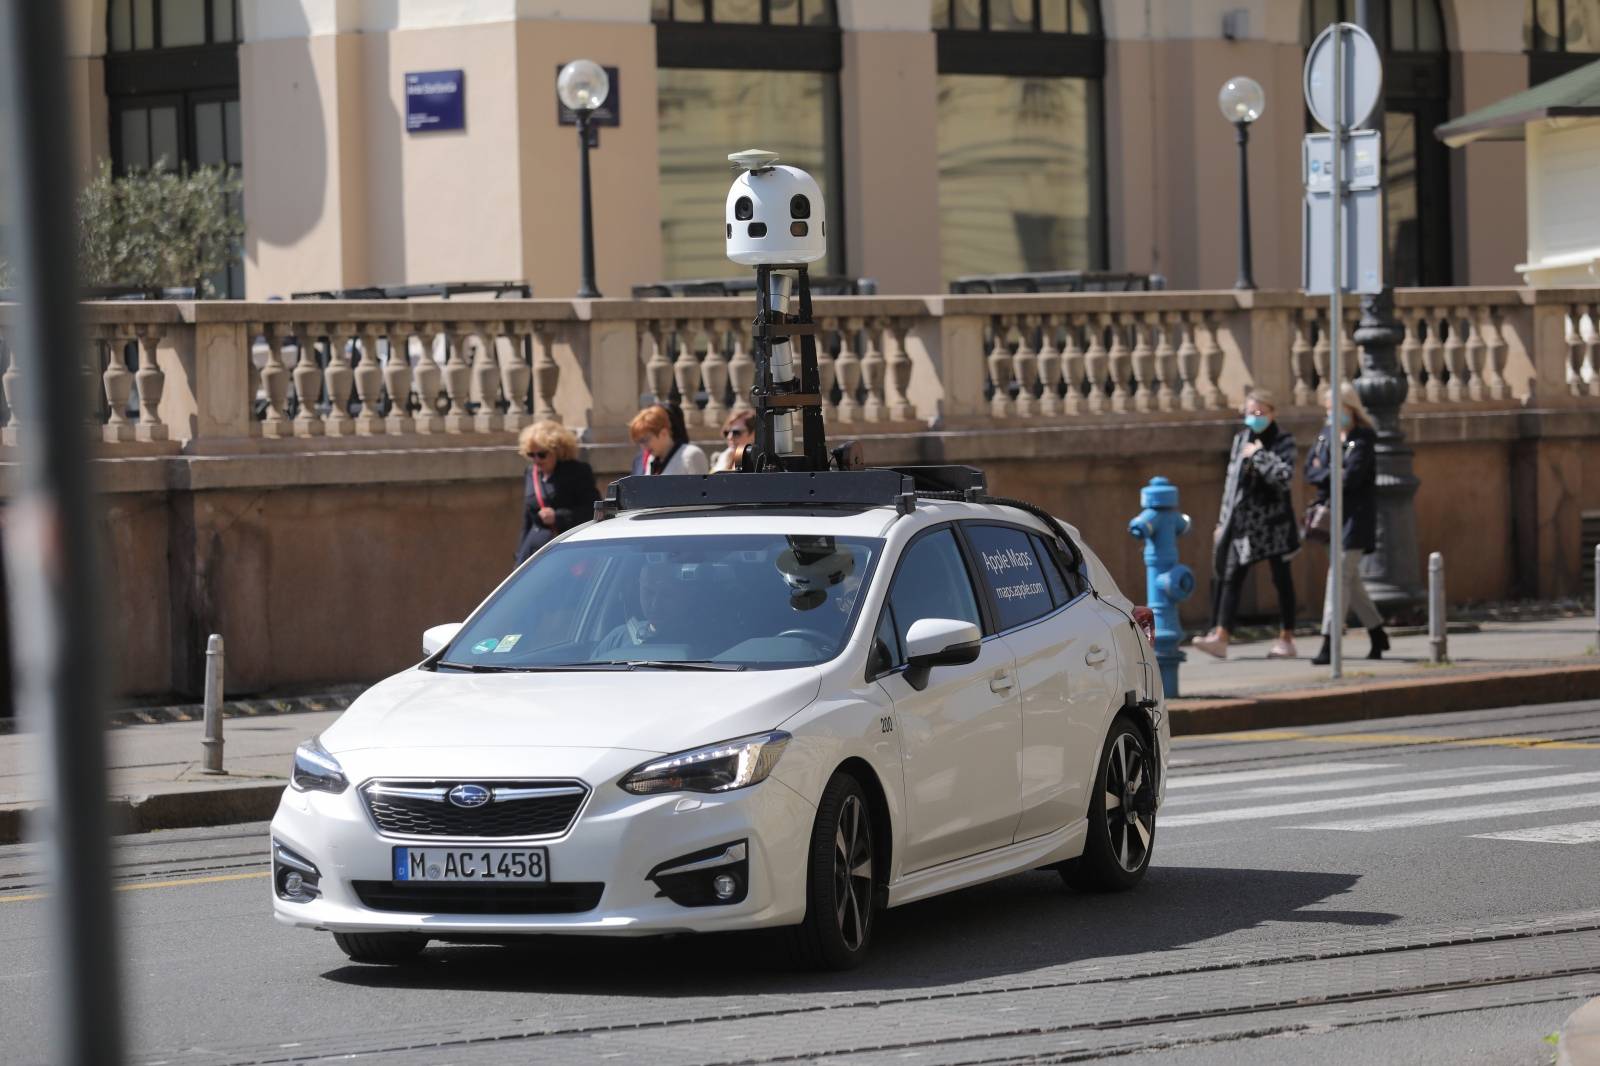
column 1359, row 496
column 558, row 491
column 1257, row 522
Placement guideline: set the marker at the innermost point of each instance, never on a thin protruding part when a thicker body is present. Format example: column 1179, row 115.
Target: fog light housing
column 714, row 877
column 293, row 883
column 294, row 877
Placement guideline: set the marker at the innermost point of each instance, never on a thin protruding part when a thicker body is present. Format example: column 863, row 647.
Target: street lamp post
column 583, row 87
column 1242, row 101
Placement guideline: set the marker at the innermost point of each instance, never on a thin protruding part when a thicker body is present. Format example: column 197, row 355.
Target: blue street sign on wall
column 436, row 100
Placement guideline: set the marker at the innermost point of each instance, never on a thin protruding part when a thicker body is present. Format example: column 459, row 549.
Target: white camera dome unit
column 774, row 213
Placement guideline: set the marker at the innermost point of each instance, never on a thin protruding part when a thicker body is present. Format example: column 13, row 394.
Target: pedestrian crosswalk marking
column 1351, row 784
column 1307, row 770
column 1445, row 815
column 1381, row 799
column 1573, row 833
column 1541, row 743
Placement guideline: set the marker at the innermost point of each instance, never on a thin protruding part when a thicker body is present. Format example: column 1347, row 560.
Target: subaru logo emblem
column 469, row 795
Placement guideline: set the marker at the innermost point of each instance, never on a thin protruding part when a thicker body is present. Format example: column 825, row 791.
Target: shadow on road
column 1006, row 928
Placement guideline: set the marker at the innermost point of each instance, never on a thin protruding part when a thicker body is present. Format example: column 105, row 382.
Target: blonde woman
column 1358, row 447
column 559, row 490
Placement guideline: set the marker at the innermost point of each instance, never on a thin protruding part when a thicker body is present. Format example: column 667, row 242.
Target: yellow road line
column 153, row 884
column 1541, row 743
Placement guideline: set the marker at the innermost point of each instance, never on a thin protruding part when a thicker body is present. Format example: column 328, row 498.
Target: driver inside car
column 665, row 615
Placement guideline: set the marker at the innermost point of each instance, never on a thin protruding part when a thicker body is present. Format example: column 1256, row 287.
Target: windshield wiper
column 487, row 668
column 676, row 664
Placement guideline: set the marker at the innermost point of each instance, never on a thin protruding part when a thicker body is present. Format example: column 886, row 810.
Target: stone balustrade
column 204, row 378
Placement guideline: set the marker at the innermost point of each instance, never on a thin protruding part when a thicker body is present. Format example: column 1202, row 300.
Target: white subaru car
column 761, row 705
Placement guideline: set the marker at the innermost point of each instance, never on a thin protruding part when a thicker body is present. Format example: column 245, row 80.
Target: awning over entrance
column 1573, row 95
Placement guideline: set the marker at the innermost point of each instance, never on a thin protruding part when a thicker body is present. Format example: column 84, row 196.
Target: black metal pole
column 1246, row 273
column 49, row 546
column 586, row 287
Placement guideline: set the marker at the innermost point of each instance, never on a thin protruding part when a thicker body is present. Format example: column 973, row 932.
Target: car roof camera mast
column 776, row 222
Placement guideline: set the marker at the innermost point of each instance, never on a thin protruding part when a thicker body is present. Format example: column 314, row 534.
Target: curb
column 1386, row 699
column 227, row 805
column 1580, row 1037
column 195, row 712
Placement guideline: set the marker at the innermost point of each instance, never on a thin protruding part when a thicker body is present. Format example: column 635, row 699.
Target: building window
column 1416, row 165
column 735, row 74
column 1019, row 126
column 172, row 82
column 1560, row 35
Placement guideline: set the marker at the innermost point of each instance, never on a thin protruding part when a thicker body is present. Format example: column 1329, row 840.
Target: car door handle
column 1095, row 655
column 1001, row 682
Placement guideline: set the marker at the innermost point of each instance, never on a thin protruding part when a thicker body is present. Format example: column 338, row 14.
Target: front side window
column 932, row 582
column 732, row 601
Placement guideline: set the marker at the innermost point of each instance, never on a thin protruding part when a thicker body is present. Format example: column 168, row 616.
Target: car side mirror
column 436, row 637
column 934, row 642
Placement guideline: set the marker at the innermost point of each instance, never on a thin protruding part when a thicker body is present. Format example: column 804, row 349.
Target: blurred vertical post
column 49, row 537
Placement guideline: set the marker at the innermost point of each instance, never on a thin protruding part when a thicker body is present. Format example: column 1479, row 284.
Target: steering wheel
column 816, row 636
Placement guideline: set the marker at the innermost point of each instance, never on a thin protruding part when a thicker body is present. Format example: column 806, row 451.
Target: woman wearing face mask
column 1358, row 443
column 1257, row 522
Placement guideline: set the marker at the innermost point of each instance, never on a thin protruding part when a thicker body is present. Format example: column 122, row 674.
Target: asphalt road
column 1421, row 890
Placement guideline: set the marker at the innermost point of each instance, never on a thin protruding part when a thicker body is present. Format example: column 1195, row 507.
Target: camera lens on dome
column 758, row 229
column 799, row 206
column 743, row 209
column 797, row 229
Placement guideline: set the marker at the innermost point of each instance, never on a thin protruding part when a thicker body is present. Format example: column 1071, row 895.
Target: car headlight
column 317, row 771
column 715, row 768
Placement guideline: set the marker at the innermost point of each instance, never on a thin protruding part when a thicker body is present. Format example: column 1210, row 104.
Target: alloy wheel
column 1126, row 803
column 852, row 872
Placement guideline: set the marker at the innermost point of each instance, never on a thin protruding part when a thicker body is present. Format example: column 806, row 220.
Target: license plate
column 471, row 864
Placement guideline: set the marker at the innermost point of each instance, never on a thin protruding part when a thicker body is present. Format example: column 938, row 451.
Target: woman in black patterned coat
column 1257, row 522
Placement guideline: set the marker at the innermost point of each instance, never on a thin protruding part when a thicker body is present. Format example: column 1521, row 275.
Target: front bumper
column 617, row 839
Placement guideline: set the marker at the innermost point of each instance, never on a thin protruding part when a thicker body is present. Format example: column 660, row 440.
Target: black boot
column 1325, row 656
column 1380, row 642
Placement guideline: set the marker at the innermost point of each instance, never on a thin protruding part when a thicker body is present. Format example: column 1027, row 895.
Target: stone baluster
column 151, row 381
column 1025, row 366
column 338, row 379
column 486, row 378
column 1072, row 367
column 11, row 385
column 1433, row 357
column 547, row 373
column 1049, row 366
column 1143, row 359
column 847, row 368
column 1589, row 373
column 397, row 378
column 714, row 374
column 898, row 365
column 872, row 371
column 1411, row 361
column 827, row 329
column 428, row 377
column 685, row 367
column 1322, row 350
column 307, row 382
column 368, row 380
column 1001, row 405
column 1349, row 351
column 274, row 381
column 1187, row 361
column 1167, row 362
column 1097, row 361
column 457, row 377
column 1454, row 355
column 1301, row 366
column 1494, row 359
column 516, row 375
column 742, row 367
column 657, row 367
column 1211, row 364
column 1121, row 365
column 93, row 382
column 117, row 382
column 1474, row 352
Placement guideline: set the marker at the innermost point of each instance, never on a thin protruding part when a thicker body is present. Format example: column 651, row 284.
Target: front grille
column 571, row 897
column 422, row 809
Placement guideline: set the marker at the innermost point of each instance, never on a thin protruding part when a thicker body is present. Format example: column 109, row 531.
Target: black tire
column 1122, row 816
column 841, row 872
column 389, row 948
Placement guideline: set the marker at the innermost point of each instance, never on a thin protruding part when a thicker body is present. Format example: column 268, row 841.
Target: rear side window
column 1013, row 569
column 1065, row 585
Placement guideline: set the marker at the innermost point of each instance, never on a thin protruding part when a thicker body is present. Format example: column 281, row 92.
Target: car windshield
column 743, row 601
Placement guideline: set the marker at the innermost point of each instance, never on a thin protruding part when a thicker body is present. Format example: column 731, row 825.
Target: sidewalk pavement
column 1580, row 1037
column 155, row 755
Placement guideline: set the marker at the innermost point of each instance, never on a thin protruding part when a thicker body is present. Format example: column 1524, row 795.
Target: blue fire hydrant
column 1167, row 581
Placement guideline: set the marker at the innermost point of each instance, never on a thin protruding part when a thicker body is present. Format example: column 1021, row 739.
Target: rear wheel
column 1122, row 816
column 840, row 873
column 391, row 948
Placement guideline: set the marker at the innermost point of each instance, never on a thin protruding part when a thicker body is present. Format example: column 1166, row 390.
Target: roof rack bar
column 865, row 488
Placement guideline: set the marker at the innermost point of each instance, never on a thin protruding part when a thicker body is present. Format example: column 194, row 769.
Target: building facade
column 950, row 137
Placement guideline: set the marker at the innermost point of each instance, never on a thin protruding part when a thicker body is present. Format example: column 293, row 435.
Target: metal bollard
column 1438, row 640
column 213, row 740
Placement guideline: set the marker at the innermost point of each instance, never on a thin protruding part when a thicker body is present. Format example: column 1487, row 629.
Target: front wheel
column 1122, row 816
column 840, row 871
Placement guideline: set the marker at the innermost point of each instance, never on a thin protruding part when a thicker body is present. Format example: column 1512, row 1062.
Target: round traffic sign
column 1363, row 75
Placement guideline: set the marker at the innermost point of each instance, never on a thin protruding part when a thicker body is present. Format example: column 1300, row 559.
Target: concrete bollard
column 212, row 763
column 1438, row 638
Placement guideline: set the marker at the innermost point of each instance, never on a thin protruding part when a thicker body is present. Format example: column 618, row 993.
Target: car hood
column 653, row 711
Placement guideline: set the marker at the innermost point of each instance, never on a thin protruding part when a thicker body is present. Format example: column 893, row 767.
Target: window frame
column 1056, row 555
column 986, row 620
column 1547, row 63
